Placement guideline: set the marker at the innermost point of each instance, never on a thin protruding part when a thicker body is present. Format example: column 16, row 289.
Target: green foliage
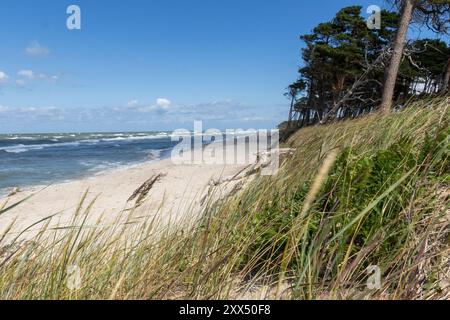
column 382, row 203
column 344, row 61
column 354, row 182
column 336, row 54
column 360, row 175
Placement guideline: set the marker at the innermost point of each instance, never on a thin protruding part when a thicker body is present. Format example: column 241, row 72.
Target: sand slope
column 180, row 190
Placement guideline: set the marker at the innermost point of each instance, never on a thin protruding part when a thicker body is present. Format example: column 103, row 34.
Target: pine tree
column 435, row 14
column 336, row 54
column 399, row 43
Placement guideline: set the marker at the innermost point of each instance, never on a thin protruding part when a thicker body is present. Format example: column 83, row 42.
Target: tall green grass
column 367, row 192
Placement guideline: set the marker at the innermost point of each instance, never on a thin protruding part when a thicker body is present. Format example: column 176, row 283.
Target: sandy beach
column 170, row 193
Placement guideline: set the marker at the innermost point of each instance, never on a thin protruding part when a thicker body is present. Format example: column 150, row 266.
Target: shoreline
column 5, row 192
column 154, row 155
column 175, row 199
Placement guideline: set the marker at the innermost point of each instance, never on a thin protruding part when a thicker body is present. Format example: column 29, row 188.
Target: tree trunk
column 291, row 112
column 446, row 83
column 397, row 54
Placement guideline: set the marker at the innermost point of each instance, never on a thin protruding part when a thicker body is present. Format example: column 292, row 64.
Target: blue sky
column 151, row 64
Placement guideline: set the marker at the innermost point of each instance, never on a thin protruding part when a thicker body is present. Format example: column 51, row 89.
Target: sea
column 28, row 160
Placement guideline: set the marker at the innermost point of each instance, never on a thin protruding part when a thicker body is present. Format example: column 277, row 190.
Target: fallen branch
column 357, row 84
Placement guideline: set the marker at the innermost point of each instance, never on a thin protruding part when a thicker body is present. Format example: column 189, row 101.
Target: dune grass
column 355, row 194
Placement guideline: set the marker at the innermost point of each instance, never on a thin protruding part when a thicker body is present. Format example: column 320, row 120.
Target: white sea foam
column 131, row 138
column 91, row 140
column 20, row 148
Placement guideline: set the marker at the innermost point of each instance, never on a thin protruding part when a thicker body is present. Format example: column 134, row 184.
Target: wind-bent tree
column 293, row 91
column 422, row 70
column 399, row 43
column 344, row 65
column 432, row 13
column 337, row 53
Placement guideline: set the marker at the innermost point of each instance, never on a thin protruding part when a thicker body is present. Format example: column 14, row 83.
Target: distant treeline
column 347, row 66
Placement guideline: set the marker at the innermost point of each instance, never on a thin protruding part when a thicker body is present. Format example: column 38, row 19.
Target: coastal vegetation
column 349, row 70
column 364, row 187
column 354, row 194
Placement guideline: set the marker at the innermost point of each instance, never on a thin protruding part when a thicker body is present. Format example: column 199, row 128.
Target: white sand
column 179, row 192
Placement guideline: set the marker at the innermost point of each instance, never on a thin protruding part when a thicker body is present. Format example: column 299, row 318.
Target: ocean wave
column 20, row 138
column 132, row 138
column 81, row 139
column 20, row 148
column 154, row 155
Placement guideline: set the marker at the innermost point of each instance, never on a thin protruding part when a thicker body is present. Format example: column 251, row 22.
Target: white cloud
column 21, row 83
column 132, row 103
column 36, row 49
column 161, row 106
column 3, row 77
column 163, row 103
column 29, row 74
column 36, row 113
column 32, row 111
column 161, row 112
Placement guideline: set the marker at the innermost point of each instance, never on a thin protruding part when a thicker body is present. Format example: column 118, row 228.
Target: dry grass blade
column 142, row 192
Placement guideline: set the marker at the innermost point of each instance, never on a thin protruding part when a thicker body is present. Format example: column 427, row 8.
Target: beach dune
column 171, row 193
